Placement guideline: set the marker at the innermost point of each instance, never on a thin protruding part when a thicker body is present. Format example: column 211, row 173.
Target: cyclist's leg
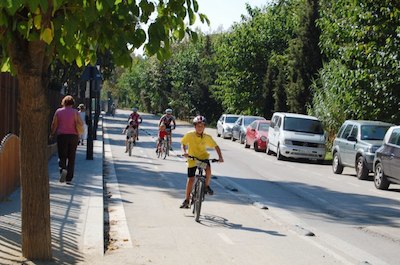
column 158, row 145
column 189, row 186
column 208, row 175
column 126, row 143
column 208, row 180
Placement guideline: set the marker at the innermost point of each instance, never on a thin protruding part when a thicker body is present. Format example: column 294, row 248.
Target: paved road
column 264, row 211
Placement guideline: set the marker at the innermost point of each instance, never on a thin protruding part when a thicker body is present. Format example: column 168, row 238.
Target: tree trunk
column 33, row 114
column 31, row 63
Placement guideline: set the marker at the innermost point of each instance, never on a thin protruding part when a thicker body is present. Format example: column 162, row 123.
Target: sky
column 225, row 12
column 221, row 13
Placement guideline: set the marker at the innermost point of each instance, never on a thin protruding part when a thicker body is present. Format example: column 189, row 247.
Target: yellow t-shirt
column 197, row 146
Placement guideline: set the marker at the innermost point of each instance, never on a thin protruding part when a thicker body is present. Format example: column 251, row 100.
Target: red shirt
column 135, row 117
column 162, row 134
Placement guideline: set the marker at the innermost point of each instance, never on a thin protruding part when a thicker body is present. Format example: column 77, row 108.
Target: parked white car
column 225, row 124
column 296, row 136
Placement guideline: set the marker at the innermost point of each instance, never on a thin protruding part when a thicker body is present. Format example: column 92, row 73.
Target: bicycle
column 198, row 192
column 168, row 141
column 162, row 149
column 131, row 143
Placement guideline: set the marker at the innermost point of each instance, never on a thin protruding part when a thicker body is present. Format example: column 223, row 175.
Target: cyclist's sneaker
column 209, row 191
column 184, row 205
column 63, row 175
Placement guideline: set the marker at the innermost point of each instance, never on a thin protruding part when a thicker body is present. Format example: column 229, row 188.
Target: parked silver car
column 355, row 145
column 225, row 124
column 239, row 129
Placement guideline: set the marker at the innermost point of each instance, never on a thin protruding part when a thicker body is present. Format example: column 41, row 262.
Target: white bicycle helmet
column 168, row 111
column 134, row 109
column 199, row 119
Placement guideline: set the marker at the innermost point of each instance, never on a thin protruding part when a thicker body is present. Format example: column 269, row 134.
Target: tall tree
column 32, row 35
column 304, row 57
column 360, row 40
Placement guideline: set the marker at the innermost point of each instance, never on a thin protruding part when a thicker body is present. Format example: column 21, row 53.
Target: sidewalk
column 77, row 214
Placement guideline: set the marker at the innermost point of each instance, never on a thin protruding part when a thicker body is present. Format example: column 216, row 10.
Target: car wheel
column 245, row 143
column 218, row 134
column 380, row 180
column 233, row 138
column 256, row 147
column 241, row 138
column 336, row 166
column 279, row 156
column 361, row 168
column 268, row 151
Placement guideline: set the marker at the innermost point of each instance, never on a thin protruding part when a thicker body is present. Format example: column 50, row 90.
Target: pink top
column 66, row 120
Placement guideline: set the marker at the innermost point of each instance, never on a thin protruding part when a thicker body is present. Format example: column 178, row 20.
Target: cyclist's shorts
column 192, row 170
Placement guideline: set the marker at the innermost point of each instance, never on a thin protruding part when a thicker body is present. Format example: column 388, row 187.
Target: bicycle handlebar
column 212, row 160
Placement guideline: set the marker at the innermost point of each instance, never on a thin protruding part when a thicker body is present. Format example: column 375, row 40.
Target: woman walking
column 66, row 124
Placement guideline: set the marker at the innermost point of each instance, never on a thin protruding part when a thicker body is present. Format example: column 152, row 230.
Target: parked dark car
column 387, row 160
column 239, row 129
column 257, row 135
column 355, row 145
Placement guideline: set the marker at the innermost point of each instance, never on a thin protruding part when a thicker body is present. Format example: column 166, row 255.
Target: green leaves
column 96, row 25
column 47, row 35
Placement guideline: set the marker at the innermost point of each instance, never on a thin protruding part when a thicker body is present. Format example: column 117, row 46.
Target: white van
column 296, row 136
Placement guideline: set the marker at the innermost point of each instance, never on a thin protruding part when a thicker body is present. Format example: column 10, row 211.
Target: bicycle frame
column 198, row 190
column 162, row 150
column 131, row 142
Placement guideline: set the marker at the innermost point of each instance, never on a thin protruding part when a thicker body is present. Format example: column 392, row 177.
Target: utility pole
column 92, row 78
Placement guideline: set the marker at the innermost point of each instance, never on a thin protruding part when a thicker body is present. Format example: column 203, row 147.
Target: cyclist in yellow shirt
column 195, row 143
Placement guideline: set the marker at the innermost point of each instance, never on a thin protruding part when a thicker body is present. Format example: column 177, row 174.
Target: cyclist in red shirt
column 135, row 117
column 162, row 133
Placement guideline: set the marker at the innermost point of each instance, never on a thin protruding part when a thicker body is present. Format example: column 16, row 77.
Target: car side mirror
column 352, row 139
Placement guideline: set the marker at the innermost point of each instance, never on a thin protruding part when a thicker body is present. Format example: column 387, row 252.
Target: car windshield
column 263, row 127
column 231, row 119
column 373, row 132
column 249, row 120
column 303, row 125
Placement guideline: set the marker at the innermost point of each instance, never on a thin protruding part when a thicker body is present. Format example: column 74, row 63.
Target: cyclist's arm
column 174, row 124
column 161, row 121
column 140, row 118
column 184, row 153
column 220, row 158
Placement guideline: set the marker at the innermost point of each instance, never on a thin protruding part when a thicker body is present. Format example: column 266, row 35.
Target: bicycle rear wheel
column 130, row 146
column 167, row 147
column 165, row 150
column 198, row 199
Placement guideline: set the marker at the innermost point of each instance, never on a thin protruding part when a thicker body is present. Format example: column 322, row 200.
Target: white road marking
column 225, row 238
column 120, row 233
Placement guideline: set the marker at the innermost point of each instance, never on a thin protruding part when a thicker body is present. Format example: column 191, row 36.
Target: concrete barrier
column 9, row 165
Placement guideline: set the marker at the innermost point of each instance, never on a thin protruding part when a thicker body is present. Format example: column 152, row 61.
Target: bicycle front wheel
column 198, row 200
